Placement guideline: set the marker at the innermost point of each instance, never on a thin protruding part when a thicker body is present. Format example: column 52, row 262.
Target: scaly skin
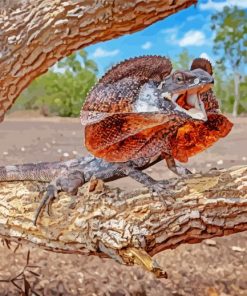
column 89, row 166
column 138, row 109
column 135, row 109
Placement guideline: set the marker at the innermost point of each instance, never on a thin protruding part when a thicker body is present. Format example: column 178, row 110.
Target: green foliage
column 183, row 60
column 230, row 40
column 230, row 43
column 63, row 89
column 226, row 95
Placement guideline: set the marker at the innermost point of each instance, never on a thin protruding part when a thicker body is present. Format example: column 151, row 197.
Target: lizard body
column 137, row 107
column 46, row 172
column 136, row 115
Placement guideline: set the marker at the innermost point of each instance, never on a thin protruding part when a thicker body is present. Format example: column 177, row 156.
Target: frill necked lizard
column 136, row 115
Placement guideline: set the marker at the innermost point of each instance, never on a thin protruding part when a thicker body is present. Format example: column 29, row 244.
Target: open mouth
column 190, row 102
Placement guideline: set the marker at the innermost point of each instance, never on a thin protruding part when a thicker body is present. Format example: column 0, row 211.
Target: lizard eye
column 178, row 78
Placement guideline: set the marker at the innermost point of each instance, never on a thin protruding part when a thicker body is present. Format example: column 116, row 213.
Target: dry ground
column 214, row 267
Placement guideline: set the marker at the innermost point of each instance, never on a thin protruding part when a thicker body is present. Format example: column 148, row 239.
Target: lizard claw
column 183, row 171
column 159, row 188
column 68, row 182
column 49, row 195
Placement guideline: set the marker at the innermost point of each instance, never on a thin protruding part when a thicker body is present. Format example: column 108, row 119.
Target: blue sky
column 189, row 28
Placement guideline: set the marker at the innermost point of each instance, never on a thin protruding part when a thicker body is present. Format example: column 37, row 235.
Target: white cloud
column 102, row 53
column 212, row 5
column 171, row 35
column 192, row 37
column 173, row 30
column 195, row 17
column 204, row 55
column 147, row 45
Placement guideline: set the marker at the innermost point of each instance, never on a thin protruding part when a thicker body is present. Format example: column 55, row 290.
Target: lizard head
column 184, row 88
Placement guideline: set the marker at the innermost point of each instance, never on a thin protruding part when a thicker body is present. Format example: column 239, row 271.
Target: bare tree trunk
column 236, row 94
column 35, row 34
column 128, row 228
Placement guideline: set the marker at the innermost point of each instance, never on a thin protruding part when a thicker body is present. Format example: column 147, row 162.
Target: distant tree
column 183, row 60
column 230, row 42
column 221, row 86
column 243, row 94
column 63, row 88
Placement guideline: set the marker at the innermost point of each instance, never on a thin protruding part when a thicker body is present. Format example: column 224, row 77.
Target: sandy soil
column 214, row 267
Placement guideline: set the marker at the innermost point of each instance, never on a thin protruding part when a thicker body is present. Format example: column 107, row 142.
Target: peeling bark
column 117, row 225
column 35, row 34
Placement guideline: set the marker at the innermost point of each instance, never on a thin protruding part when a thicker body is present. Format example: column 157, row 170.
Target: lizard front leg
column 68, row 182
column 157, row 187
column 175, row 167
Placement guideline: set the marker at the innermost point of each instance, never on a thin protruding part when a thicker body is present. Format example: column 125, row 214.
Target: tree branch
column 35, row 34
column 128, row 227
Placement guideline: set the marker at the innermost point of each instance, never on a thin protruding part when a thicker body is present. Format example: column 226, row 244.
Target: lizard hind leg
column 67, row 182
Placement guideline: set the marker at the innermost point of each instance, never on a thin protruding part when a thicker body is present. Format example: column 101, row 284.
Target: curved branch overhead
column 35, row 34
column 107, row 223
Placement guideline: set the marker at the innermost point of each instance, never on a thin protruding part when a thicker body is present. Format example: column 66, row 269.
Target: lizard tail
column 30, row 171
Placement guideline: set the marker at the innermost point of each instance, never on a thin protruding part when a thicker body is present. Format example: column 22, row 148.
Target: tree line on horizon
column 63, row 89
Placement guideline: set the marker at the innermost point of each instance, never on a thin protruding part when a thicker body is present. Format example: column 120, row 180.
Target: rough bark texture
column 107, row 223
column 35, row 34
